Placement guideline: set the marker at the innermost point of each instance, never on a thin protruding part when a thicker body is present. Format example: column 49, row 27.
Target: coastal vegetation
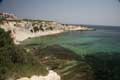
column 15, row 61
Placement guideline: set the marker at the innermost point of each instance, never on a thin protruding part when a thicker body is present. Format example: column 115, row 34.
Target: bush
column 14, row 60
column 5, row 39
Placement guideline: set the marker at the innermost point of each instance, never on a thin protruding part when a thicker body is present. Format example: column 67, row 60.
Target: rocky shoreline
column 22, row 29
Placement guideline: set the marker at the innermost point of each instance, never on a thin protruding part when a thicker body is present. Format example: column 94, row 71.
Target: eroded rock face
column 21, row 29
column 51, row 76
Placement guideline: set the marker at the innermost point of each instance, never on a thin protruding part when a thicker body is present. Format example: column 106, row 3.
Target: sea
column 98, row 52
column 103, row 39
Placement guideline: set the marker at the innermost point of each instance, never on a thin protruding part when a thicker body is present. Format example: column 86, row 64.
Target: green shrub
column 5, row 39
column 15, row 61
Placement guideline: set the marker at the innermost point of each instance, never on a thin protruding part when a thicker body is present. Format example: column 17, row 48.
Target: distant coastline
column 22, row 29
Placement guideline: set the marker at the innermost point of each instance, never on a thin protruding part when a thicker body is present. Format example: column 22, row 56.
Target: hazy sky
column 100, row 12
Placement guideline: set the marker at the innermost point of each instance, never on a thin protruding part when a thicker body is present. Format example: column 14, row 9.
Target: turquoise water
column 104, row 39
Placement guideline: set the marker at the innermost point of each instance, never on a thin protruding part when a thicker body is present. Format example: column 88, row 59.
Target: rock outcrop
column 51, row 76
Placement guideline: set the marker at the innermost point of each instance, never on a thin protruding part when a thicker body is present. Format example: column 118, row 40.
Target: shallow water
column 104, row 39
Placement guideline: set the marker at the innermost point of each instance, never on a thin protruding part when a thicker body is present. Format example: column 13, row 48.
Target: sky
column 94, row 12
